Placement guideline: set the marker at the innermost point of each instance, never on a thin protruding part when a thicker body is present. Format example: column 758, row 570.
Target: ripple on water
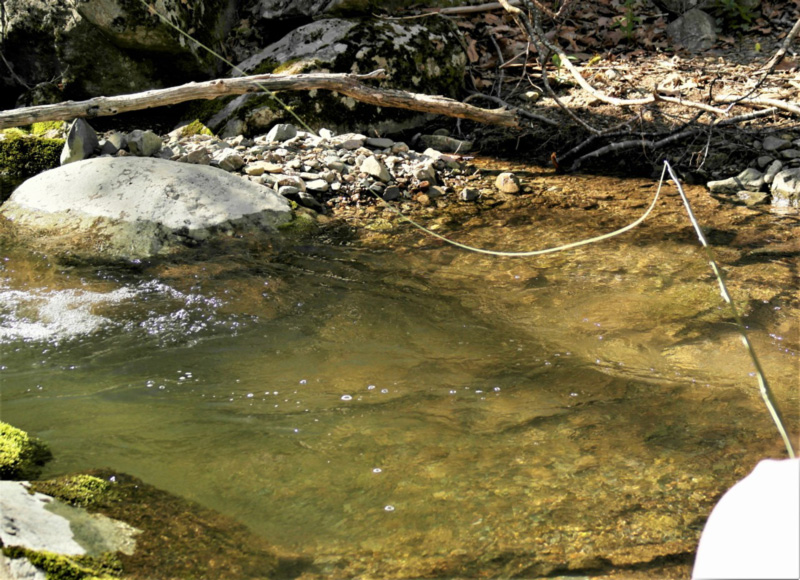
column 41, row 315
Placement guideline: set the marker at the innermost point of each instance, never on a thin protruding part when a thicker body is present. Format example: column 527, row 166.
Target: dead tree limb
column 760, row 102
column 779, row 54
column 345, row 84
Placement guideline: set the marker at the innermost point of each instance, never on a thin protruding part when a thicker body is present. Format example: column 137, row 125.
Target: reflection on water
column 421, row 411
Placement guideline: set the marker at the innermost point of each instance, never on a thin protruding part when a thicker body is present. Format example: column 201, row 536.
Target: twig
column 645, row 144
column 760, row 102
column 521, row 112
column 779, row 54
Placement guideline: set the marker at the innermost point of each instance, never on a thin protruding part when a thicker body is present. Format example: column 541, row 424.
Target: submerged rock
column 507, row 183
column 786, row 188
column 131, row 208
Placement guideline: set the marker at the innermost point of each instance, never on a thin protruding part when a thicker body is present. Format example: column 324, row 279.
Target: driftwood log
column 345, row 84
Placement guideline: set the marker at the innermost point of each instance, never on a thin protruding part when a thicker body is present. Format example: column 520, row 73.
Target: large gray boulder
column 422, row 56
column 112, row 208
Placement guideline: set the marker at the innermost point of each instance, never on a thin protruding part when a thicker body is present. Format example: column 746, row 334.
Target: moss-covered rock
column 419, row 56
column 60, row 567
column 78, row 490
column 24, row 156
column 21, row 456
column 178, row 539
column 47, row 128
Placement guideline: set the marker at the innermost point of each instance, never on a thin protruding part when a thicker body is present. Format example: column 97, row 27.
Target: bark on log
column 346, row 84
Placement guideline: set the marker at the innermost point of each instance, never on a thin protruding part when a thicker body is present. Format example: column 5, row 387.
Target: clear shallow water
column 418, row 410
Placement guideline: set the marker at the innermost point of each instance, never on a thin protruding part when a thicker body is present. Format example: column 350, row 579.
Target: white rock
column 507, row 183
column 371, row 166
column 27, row 523
column 131, row 207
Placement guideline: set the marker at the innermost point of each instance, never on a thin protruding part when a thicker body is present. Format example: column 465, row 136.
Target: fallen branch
column 346, row 84
column 781, row 52
column 759, row 102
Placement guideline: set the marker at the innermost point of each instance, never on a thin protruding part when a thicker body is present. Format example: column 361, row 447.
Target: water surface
column 392, row 405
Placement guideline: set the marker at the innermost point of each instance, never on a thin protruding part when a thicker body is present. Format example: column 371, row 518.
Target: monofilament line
column 766, row 392
column 532, row 252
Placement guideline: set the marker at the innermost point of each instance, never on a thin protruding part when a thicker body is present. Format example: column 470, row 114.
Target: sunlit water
column 414, row 406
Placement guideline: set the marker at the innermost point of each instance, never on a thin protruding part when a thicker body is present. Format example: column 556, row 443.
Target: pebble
column 507, row 183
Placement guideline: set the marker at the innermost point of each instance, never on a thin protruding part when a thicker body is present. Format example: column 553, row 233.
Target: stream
column 392, row 405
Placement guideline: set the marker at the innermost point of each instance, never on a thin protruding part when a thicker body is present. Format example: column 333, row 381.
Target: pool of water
column 393, row 405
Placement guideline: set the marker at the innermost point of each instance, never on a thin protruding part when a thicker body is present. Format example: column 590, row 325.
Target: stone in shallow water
column 507, row 183
column 131, row 208
column 786, row 188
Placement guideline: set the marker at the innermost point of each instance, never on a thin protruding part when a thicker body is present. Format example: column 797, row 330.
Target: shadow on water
column 7, row 186
column 403, row 408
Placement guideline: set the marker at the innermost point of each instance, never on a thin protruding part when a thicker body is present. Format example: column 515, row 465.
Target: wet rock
column 131, row 208
column 751, row 179
column 372, row 166
column 772, row 143
column 144, row 143
column 751, row 198
column 435, row 192
column 694, row 30
column 786, row 188
column 469, row 194
column 307, row 200
column 81, row 142
column 507, row 183
column 391, row 193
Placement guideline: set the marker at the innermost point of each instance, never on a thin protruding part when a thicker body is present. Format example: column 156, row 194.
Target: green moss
column 45, row 126
column 60, row 567
column 21, row 456
column 22, row 156
column 265, row 67
column 77, row 490
column 14, row 132
column 304, row 222
column 195, row 128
